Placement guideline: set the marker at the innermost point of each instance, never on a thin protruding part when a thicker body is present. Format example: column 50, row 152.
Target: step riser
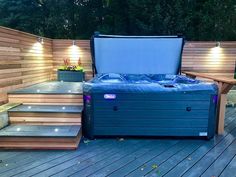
column 44, row 123
column 46, row 99
column 45, row 118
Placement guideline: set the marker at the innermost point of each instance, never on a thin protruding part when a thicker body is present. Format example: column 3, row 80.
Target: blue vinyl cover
column 138, row 83
column 137, row 54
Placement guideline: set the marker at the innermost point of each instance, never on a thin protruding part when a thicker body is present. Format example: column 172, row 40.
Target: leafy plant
column 71, row 67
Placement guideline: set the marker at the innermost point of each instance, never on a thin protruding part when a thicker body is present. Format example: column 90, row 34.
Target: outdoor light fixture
column 73, row 50
column 215, row 55
column 217, row 44
column 40, row 40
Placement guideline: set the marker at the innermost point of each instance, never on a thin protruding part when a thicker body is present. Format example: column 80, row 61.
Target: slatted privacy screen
column 24, row 61
column 63, row 49
column 205, row 57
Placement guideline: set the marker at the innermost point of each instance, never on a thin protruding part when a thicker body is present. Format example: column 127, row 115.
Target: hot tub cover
column 138, row 83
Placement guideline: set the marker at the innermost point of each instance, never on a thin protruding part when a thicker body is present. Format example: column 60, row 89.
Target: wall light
column 217, row 44
column 216, row 52
column 40, row 40
column 74, row 51
column 215, row 55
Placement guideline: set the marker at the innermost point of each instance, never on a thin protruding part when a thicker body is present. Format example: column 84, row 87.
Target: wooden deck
column 131, row 157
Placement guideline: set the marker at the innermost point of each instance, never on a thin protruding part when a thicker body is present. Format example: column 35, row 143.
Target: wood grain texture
column 45, row 118
column 205, row 57
column 23, row 61
column 64, row 49
column 226, row 80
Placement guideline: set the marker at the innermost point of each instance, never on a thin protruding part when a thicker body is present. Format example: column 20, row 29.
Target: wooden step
column 4, row 120
column 52, row 87
column 46, row 99
column 46, row 114
column 49, row 93
column 7, row 106
column 40, row 137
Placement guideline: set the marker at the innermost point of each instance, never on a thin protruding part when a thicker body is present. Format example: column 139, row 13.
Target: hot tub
column 152, row 101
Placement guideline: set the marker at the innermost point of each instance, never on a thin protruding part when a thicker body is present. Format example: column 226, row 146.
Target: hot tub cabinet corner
column 185, row 114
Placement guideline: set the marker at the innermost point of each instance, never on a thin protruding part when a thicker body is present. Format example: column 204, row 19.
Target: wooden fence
column 205, row 57
column 65, row 49
column 24, row 61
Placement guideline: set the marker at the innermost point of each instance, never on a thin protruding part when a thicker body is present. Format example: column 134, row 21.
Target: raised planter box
column 70, row 76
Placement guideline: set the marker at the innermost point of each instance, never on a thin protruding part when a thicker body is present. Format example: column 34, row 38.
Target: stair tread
column 8, row 106
column 52, row 87
column 46, row 131
column 47, row 108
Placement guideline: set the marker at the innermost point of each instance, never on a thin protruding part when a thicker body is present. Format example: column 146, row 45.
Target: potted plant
column 69, row 72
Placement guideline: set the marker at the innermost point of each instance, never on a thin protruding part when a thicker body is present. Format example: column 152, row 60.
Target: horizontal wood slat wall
column 23, row 61
column 201, row 57
column 205, row 57
column 64, row 49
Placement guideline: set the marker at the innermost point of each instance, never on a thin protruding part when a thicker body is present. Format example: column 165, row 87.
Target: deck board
column 222, row 161
column 123, row 162
column 89, row 157
column 87, row 150
column 131, row 157
column 230, row 169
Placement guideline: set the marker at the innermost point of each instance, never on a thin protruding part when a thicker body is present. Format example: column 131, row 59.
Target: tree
column 196, row 19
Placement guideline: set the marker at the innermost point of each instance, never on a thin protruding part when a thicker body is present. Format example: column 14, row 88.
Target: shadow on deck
column 131, row 157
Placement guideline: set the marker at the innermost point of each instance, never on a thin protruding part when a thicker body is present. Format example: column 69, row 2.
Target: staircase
column 45, row 116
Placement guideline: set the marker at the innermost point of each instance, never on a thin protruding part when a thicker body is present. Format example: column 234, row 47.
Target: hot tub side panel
column 150, row 114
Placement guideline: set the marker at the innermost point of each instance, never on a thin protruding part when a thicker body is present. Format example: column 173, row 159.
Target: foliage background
column 73, row 19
